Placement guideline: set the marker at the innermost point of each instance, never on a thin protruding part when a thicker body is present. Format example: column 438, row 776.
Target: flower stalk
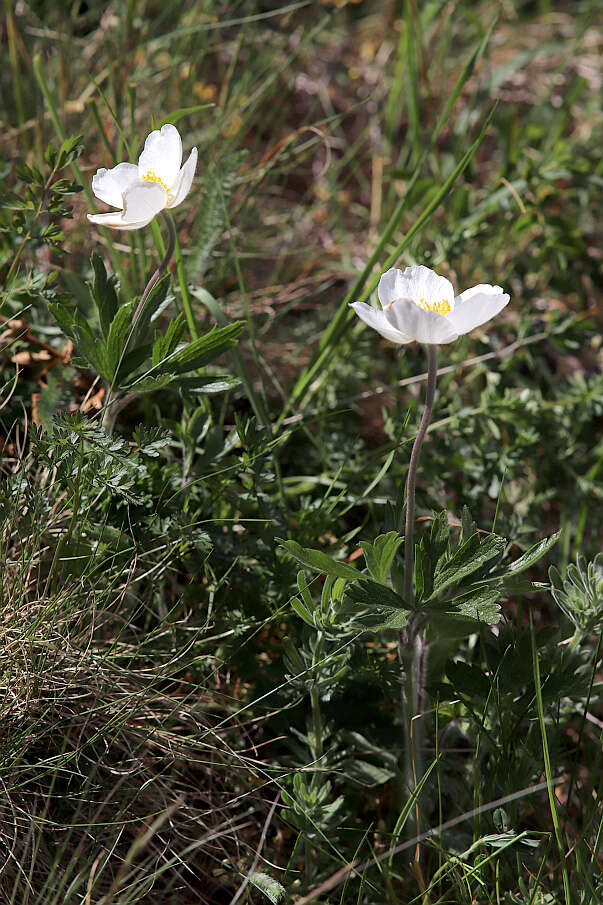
column 409, row 529
column 412, row 645
column 161, row 267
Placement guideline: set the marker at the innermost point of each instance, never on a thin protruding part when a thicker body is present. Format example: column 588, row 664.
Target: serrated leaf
column 380, row 554
column 202, row 385
column 118, row 331
column 516, row 586
column 12, row 202
column 104, row 294
column 92, row 349
column 202, row 350
column 467, row 559
column 151, row 384
column 531, row 556
column 396, row 619
column 376, row 596
column 318, row 561
column 480, row 604
column 422, row 564
column 64, row 318
column 165, row 345
column 468, row 526
column 439, row 534
column 429, row 554
column 69, row 151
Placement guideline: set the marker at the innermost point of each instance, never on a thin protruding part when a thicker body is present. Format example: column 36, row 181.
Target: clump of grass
column 117, row 779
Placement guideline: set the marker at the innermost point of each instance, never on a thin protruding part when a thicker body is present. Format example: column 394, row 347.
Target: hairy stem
column 409, row 530
column 412, row 645
column 161, row 267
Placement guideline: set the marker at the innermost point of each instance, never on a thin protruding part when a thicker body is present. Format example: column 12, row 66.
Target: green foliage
column 30, row 218
column 129, row 354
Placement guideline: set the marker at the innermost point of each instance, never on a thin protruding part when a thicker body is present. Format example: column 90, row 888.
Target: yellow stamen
column 441, row 307
column 150, row 176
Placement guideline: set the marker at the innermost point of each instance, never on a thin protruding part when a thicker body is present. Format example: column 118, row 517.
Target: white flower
column 142, row 190
column 420, row 305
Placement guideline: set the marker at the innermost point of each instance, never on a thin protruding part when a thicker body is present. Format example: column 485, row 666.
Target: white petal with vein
column 475, row 306
column 116, row 221
column 185, row 179
column 162, row 155
column 110, row 185
column 416, row 283
column 424, row 326
column 379, row 322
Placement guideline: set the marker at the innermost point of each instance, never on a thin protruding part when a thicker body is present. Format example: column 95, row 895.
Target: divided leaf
column 116, row 339
column 202, row 350
column 104, row 293
column 480, row 604
column 380, row 554
column 318, row 561
column 531, row 556
column 468, row 558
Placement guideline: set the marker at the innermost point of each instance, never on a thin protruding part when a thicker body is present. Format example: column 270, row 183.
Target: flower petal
column 417, row 283
column 378, row 321
column 141, row 202
column 185, row 179
column 162, row 155
column 115, row 220
column 424, row 326
column 391, row 286
column 475, row 306
column 110, row 185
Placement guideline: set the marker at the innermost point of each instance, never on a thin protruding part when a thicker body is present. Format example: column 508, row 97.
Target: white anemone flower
column 142, row 190
column 419, row 305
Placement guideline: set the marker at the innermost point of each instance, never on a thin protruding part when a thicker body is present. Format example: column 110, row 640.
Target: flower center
column 150, row 176
column 442, row 307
